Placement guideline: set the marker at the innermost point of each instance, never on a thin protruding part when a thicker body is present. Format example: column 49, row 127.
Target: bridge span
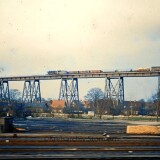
column 111, row 74
column 69, row 84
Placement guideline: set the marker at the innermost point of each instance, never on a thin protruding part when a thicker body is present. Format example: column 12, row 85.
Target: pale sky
column 41, row 35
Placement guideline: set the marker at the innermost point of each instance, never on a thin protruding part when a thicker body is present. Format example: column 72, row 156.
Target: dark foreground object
column 6, row 124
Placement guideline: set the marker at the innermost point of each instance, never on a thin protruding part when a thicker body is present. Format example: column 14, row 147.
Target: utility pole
column 158, row 98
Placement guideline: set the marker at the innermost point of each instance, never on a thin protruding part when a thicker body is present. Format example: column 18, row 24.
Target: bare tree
column 93, row 96
column 157, row 104
column 15, row 95
column 101, row 107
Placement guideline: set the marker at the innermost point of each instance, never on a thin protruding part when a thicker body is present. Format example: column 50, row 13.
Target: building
column 57, row 106
column 34, row 109
column 86, row 104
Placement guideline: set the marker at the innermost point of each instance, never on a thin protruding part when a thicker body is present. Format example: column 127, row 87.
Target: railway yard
column 76, row 139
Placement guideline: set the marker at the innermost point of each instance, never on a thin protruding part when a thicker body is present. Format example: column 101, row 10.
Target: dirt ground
column 95, row 126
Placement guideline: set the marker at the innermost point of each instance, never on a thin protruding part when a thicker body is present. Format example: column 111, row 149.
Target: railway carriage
column 156, row 68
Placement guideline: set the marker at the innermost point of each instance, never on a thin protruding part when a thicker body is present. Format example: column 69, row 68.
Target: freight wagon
column 156, row 68
column 96, row 71
column 72, row 72
column 57, row 72
column 87, row 71
column 142, row 69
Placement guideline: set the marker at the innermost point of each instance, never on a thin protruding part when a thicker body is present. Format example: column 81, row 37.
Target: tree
column 158, row 103
column 142, row 110
column 152, row 98
column 102, row 107
column 93, row 96
column 15, row 95
column 155, row 98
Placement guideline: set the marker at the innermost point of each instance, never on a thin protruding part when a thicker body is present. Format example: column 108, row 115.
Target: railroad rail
column 115, row 149
column 28, row 146
column 84, row 141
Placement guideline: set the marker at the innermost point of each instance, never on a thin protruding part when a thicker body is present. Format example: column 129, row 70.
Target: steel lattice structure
column 69, row 92
column 31, row 91
column 4, row 91
column 114, row 92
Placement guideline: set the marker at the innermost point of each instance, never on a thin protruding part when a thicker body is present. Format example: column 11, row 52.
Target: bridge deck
column 83, row 75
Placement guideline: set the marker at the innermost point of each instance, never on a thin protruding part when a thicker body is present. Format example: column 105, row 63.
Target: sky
column 41, row 35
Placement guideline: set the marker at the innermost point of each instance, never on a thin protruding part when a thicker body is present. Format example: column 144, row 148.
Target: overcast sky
column 41, row 35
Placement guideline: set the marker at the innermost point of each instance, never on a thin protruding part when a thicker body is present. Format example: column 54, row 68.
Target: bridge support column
column 31, row 91
column 115, row 92
column 4, row 91
column 36, row 92
column 69, row 92
column 26, row 97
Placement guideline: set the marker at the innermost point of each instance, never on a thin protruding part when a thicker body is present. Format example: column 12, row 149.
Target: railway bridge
column 69, row 83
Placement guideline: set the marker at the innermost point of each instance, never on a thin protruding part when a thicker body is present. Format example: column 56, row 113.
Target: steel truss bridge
column 69, row 85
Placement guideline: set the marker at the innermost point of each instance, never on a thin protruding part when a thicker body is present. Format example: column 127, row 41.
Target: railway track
column 45, row 146
column 48, row 140
column 80, row 152
column 91, row 149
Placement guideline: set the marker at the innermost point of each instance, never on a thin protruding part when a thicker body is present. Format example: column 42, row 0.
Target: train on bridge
column 73, row 72
column 141, row 69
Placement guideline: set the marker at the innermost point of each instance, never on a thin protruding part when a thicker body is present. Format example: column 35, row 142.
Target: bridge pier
column 69, row 92
column 115, row 92
column 4, row 91
column 36, row 92
column 31, row 91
